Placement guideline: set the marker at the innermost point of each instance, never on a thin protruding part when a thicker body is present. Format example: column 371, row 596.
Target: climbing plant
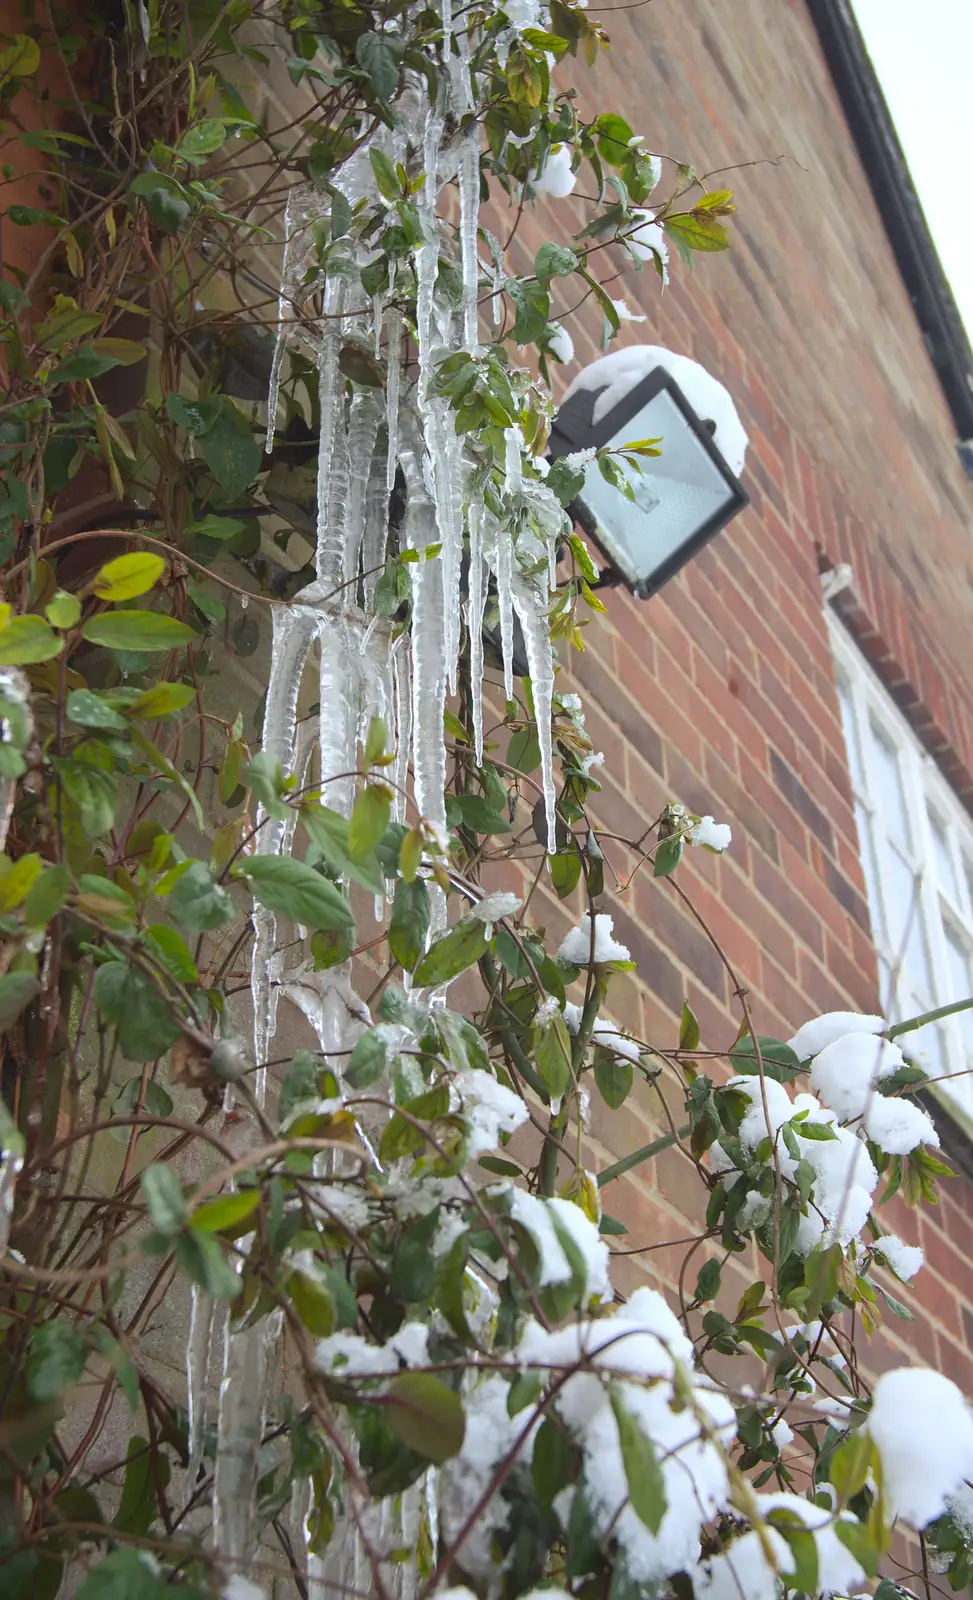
column 277, row 397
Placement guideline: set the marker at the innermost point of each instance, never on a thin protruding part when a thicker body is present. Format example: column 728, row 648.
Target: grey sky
column 923, row 55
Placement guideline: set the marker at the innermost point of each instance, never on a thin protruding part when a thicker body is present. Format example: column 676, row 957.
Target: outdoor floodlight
column 683, row 496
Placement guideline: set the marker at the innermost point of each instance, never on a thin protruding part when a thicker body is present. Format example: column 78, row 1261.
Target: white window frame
column 867, row 703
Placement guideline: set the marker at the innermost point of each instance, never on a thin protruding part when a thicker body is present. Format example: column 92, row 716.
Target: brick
column 797, row 796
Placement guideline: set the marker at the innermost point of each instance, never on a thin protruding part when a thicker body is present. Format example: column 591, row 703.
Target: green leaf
column 297, row 891
column 554, row 261
column 329, row 832
column 92, row 792
column 779, row 1060
column 426, row 1416
column 195, row 417
column 144, row 1469
column 367, row 1060
column 331, row 946
column 171, row 950
column 369, row 819
column 451, row 954
column 532, row 303
column 524, row 751
column 386, row 176
column 198, row 902
column 850, row 1464
column 230, row 450
column 165, row 200
column 164, row 1198
column 64, row 610
column 667, row 857
column 136, row 630
column 708, row 1282
column 551, row 1050
column 553, row 1464
column 161, row 700
column 46, row 896
column 226, row 1211
column 84, row 363
column 128, row 1574
column 646, row 1483
column 26, row 640
column 688, row 1028
column 696, row 232
column 20, row 58
column 414, row 1267
column 804, row 1550
column 17, row 990
column 214, row 527
column 475, row 811
column 128, row 576
column 202, row 140
column 409, row 926
column 125, row 997
column 613, row 1076
column 57, row 1359
column 380, row 55
column 202, row 1259
column 90, row 710
column 313, row 1303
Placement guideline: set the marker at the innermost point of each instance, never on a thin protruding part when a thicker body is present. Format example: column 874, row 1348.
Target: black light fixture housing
column 682, row 497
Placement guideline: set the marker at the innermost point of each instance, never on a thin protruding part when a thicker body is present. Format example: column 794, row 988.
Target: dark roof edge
column 888, row 173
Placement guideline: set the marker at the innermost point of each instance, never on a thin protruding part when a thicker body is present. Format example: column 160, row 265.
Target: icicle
column 11, row 1166
column 14, row 706
column 363, row 422
column 474, row 620
column 427, row 255
column 201, row 1318
column 469, row 205
column 339, row 698
column 239, row 1432
column 294, row 628
column 447, row 455
column 393, row 357
column 401, row 662
column 296, row 216
column 513, row 463
column 532, row 612
column 447, row 13
column 330, row 387
column 378, row 312
column 376, row 532
column 504, row 574
column 428, row 647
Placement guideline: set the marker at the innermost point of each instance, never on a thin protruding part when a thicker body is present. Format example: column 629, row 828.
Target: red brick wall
column 720, row 691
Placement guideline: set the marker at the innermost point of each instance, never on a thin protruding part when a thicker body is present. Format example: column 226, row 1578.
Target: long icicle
column 475, row 608
column 504, row 575
column 428, row 643
column 330, row 540
column 532, row 612
column 469, row 208
column 296, row 216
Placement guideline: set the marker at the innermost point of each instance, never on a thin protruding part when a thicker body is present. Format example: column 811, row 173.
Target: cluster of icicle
column 364, row 444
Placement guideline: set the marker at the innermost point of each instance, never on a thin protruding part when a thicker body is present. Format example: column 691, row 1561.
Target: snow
column 560, row 343
column 897, row 1125
column 494, row 906
column 557, row 179
column 904, row 1259
column 817, row 1034
column 960, row 1508
column 844, row 1073
column 543, row 1219
column 577, row 460
column 641, row 1340
column 624, row 314
column 743, row 1570
column 490, row 1435
column 490, row 1109
column 647, row 242
column 576, row 946
column 923, row 1430
column 354, row 1357
column 714, row 835
column 782, row 1433
column 615, row 374
column 608, row 1036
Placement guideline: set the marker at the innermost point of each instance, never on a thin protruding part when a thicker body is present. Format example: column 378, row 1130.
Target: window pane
column 904, row 912
column 887, row 793
column 866, row 845
column 958, row 984
column 851, row 735
column 944, row 861
column 928, row 1047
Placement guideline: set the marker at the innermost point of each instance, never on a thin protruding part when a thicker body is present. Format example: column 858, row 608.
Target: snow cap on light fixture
column 683, row 496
